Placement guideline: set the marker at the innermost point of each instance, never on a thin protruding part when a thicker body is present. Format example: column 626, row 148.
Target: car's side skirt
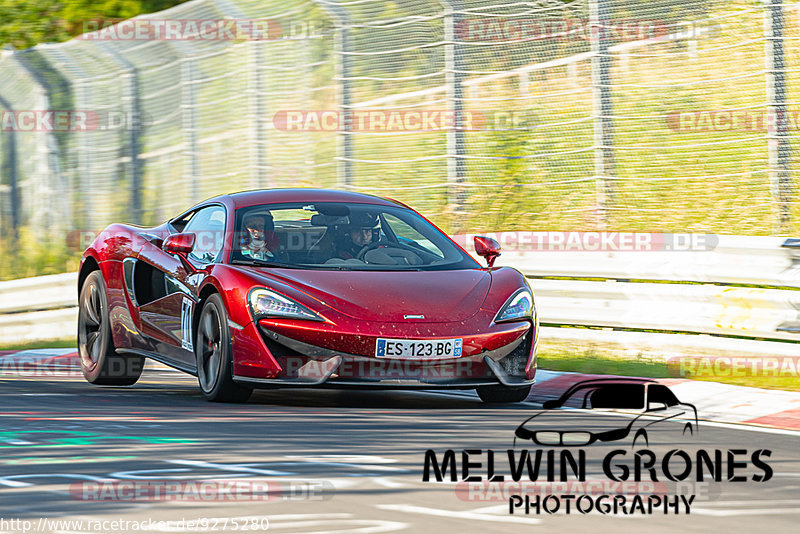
column 160, row 358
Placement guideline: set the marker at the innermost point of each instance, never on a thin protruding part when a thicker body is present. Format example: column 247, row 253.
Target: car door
column 167, row 293
column 673, row 416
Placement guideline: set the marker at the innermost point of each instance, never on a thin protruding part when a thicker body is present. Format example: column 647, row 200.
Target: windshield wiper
column 264, row 263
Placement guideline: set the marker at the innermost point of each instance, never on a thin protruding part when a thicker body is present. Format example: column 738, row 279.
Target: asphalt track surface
column 342, row 461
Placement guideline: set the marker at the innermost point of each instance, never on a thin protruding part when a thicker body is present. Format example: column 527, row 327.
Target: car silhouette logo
column 564, row 422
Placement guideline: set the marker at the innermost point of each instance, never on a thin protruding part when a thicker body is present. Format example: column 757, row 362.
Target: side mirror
column 180, row 245
column 488, row 248
column 551, row 404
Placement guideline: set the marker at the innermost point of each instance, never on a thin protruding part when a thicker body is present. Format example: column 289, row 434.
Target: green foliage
column 25, row 23
column 35, row 255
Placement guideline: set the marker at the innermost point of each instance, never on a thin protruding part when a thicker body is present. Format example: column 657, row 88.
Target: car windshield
column 606, row 396
column 342, row 236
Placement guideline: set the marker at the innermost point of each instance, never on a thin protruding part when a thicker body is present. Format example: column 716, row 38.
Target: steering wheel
column 370, row 246
column 386, row 244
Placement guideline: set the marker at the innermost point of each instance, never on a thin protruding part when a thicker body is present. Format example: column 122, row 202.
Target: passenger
column 259, row 240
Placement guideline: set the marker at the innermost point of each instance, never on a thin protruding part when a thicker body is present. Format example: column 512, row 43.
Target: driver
column 353, row 237
column 259, row 240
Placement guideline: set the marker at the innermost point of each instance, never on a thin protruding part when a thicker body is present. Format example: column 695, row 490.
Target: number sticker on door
column 186, row 324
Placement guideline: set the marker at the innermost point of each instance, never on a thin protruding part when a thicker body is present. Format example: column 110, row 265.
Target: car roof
column 245, row 199
column 615, row 381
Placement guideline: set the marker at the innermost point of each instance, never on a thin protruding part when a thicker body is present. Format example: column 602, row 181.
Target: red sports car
column 303, row 287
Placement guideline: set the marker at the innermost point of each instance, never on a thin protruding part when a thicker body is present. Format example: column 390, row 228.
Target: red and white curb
column 714, row 401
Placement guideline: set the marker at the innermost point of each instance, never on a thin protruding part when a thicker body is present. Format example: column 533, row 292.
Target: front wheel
column 213, row 351
column 100, row 363
column 498, row 394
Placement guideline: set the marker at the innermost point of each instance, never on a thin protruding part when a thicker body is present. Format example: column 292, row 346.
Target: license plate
column 418, row 349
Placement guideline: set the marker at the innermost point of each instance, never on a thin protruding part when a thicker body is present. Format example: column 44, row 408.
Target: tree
column 25, row 23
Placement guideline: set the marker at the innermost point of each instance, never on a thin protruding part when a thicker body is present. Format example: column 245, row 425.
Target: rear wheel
column 498, row 394
column 214, row 355
column 100, row 363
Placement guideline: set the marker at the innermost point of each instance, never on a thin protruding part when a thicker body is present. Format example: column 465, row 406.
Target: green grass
column 590, row 361
column 64, row 343
column 596, row 361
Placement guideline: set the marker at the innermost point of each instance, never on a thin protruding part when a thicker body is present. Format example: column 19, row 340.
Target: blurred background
column 657, row 116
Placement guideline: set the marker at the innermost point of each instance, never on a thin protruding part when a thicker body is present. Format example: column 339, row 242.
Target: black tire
column 503, row 394
column 100, row 363
column 213, row 350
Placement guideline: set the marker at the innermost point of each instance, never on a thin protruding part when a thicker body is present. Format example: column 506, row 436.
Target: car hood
column 438, row 296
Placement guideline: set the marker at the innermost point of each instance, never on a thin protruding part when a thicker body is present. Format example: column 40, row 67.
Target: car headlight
column 547, row 438
column 576, row 438
column 519, row 306
column 266, row 303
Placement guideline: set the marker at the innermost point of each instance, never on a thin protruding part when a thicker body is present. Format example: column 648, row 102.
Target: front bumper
column 503, row 356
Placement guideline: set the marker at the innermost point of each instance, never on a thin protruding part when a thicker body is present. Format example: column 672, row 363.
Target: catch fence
column 665, row 115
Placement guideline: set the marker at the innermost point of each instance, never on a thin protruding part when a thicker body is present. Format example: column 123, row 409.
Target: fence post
column 777, row 119
column 78, row 82
column 602, row 109
column 341, row 47
column 59, row 202
column 258, row 141
column 189, row 125
column 10, row 169
column 131, row 92
column 343, row 73
column 454, row 78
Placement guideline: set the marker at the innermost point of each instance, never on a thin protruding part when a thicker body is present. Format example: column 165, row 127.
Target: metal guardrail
column 745, row 286
column 41, row 308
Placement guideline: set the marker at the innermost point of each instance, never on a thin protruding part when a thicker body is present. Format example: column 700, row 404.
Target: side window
column 618, row 397
column 208, row 225
column 180, row 224
column 658, row 393
column 580, row 398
